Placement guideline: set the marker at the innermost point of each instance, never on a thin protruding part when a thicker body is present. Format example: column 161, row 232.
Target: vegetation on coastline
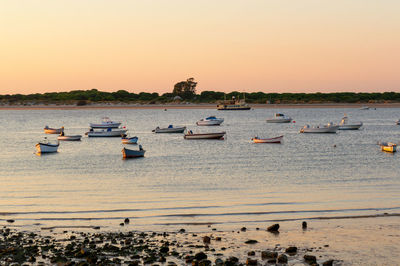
column 186, row 91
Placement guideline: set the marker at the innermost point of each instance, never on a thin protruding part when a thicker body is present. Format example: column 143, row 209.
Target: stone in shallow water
column 273, row 228
column 269, row 254
column 282, row 258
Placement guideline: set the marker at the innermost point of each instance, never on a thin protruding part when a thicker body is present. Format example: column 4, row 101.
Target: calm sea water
column 194, row 182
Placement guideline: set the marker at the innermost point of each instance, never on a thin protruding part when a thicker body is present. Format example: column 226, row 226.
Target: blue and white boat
column 169, row 129
column 210, row 121
column 129, row 140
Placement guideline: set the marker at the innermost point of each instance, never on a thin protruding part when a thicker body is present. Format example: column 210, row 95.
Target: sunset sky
column 244, row 45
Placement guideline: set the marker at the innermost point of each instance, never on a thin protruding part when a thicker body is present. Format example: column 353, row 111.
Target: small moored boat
column 210, row 121
column 109, row 132
column 398, row 122
column 217, row 135
column 279, row 118
column 169, row 129
column 345, row 125
column 388, row 147
column 127, row 153
column 328, row 128
column 49, row 130
column 106, row 123
column 129, row 140
column 269, row 140
column 69, row 138
column 46, row 147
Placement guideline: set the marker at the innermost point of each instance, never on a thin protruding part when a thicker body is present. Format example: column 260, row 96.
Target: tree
column 185, row 89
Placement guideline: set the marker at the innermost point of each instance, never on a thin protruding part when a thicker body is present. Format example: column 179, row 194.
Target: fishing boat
column 129, row 140
column 46, row 147
column 127, row 153
column 398, row 122
column 109, row 132
column 388, row 147
column 364, row 108
column 169, row 129
column 69, row 138
column 234, row 104
column 217, row 135
column 106, row 123
column 279, row 118
column 269, row 140
column 345, row 125
column 210, row 121
column 328, row 128
column 49, row 130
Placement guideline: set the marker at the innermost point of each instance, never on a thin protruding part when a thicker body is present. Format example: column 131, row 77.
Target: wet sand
column 193, row 106
column 361, row 241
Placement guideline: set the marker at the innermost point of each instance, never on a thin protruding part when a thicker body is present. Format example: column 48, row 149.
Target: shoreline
column 194, row 106
column 342, row 242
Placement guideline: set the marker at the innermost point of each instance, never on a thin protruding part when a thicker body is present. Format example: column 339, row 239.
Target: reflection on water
column 197, row 181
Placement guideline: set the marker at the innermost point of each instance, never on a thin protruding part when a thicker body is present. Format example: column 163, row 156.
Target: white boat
column 49, row 130
column 329, row 128
column 269, row 140
column 279, row 118
column 169, row 129
column 210, row 121
column 344, row 124
column 106, row 123
column 127, row 153
column 234, row 104
column 109, row 132
column 364, row 108
column 46, row 147
column 217, row 135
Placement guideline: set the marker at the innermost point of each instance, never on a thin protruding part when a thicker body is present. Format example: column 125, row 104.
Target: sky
column 243, row 45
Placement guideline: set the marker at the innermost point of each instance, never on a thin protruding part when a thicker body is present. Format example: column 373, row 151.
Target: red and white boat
column 269, row 140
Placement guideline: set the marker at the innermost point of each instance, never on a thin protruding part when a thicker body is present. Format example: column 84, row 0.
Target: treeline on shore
column 84, row 97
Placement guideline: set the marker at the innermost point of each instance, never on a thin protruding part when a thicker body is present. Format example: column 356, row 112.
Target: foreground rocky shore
column 155, row 248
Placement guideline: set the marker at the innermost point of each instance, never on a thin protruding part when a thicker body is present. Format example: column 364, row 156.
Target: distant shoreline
column 194, row 106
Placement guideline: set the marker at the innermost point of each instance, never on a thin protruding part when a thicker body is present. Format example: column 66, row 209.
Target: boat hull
column 170, row 130
column 132, row 140
column 233, row 108
column 70, row 138
column 276, row 140
column 350, row 127
column 105, row 125
column 105, row 134
column 126, row 153
column 53, row 130
column 219, row 135
column 286, row 120
column 320, row 130
column 388, row 148
column 46, row 148
column 209, row 123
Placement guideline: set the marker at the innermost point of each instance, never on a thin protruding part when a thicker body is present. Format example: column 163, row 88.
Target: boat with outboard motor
column 328, row 128
column 169, row 129
column 345, row 125
column 106, row 123
column 109, row 132
column 210, row 121
column 127, row 153
column 279, row 118
column 216, row 135
column 49, row 130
